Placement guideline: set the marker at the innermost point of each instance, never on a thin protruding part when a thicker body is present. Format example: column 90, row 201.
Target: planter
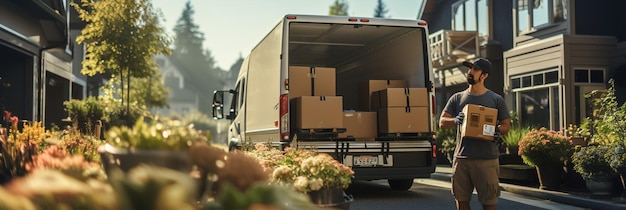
column 622, row 175
column 510, row 159
column 334, row 198
column 550, row 176
column 601, row 186
column 126, row 159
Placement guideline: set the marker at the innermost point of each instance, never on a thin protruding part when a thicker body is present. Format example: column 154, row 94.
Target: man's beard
column 470, row 79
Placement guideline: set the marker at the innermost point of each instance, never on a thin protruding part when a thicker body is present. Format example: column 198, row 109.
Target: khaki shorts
column 481, row 174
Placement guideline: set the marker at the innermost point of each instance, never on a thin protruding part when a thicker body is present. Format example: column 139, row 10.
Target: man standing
column 475, row 164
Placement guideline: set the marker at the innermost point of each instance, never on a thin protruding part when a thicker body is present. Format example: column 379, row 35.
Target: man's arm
column 448, row 121
column 504, row 126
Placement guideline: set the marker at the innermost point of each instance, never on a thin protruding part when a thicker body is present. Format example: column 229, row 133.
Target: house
column 563, row 49
column 185, row 93
column 36, row 73
column 463, row 30
column 558, row 51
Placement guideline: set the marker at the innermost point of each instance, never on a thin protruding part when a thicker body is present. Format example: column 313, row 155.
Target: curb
column 559, row 197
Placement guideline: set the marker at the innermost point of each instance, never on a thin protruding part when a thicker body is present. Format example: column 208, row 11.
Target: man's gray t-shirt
column 476, row 148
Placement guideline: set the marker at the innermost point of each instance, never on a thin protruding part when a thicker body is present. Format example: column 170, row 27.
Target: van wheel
column 400, row 184
column 232, row 146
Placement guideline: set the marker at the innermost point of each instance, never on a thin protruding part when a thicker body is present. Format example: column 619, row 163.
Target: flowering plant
column 545, row 146
column 307, row 170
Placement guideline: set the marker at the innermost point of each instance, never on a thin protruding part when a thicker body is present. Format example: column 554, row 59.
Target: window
column 471, row 15
column 535, row 107
column 536, row 99
column 588, row 75
column 535, row 14
column 537, row 79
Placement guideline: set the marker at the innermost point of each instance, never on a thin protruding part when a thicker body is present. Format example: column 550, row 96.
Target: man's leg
column 486, row 179
column 462, row 186
column 463, row 205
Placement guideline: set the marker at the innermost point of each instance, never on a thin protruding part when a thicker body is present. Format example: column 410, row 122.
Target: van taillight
column 284, row 117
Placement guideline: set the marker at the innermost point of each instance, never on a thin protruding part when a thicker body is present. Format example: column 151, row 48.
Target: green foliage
column 155, row 135
column 380, row 10
column 148, row 187
column 272, row 196
column 589, row 161
column 607, row 126
column 446, row 139
column 339, row 8
column 515, row 134
column 199, row 120
column 85, row 112
column 608, row 122
column 121, row 37
column 543, row 146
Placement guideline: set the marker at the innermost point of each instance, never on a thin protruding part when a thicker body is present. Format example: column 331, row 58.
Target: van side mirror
column 218, row 105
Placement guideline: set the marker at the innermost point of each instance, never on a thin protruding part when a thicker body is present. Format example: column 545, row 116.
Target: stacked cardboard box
column 312, row 81
column 312, row 94
column 359, row 125
column 366, row 88
column 401, row 110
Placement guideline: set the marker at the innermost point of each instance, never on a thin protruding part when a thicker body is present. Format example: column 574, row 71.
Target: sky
column 233, row 27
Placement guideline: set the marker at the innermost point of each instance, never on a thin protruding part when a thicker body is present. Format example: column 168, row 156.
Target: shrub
column 543, row 146
column 589, row 161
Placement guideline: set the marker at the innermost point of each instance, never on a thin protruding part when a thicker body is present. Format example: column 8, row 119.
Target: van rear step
column 403, row 136
column 318, row 133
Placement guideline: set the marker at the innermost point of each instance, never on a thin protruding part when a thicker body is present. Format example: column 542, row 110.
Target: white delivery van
column 360, row 89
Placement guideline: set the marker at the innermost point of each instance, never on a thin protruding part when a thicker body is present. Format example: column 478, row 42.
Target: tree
column 339, row 8
column 193, row 58
column 381, row 10
column 121, row 37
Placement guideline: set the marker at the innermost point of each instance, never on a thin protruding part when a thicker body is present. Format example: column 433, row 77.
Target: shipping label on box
column 311, row 112
column 479, row 122
column 366, row 88
column 402, row 97
column 360, row 125
column 312, row 81
column 403, row 120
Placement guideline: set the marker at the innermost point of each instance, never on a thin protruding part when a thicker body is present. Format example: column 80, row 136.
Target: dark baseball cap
column 479, row 63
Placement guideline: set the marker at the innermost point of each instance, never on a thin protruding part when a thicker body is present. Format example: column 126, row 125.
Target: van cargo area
column 361, row 53
column 359, row 89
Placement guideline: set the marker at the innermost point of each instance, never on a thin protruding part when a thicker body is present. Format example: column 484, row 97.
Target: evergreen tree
column 121, row 37
column 194, row 59
column 339, row 8
column 381, row 10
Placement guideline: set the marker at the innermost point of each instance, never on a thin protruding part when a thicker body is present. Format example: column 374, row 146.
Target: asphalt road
column 432, row 194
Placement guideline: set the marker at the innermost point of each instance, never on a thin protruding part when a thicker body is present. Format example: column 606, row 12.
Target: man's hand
column 459, row 118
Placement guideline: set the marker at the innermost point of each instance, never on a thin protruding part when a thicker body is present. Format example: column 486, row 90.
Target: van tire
column 400, row 184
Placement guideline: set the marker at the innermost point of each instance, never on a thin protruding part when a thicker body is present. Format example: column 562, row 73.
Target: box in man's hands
column 479, row 122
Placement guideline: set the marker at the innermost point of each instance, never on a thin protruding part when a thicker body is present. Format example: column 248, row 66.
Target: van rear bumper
column 392, row 173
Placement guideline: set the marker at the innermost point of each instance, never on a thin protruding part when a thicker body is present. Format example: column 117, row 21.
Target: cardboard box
column 312, row 81
column 317, row 112
column 366, row 88
column 403, row 120
column 400, row 97
column 479, row 122
column 360, row 125
column 375, row 101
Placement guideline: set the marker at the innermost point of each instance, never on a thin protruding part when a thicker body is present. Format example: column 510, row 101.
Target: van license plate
column 365, row 160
